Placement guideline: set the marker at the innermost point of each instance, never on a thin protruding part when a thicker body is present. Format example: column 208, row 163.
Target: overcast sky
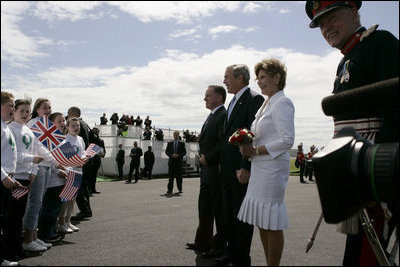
column 157, row 58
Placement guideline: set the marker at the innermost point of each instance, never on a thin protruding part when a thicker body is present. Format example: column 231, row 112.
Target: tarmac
column 138, row 224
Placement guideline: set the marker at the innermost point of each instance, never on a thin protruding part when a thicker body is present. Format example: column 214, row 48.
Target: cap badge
column 316, row 5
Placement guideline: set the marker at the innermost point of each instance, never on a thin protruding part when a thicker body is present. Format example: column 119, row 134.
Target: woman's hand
column 247, row 150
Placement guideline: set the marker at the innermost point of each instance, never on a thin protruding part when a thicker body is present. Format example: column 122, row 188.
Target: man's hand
column 243, row 176
column 175, row 156
column 203, row 161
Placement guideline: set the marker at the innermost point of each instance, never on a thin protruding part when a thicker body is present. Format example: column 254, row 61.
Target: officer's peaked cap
column 316, row 9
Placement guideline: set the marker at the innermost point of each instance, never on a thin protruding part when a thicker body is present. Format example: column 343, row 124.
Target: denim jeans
column 35, row 198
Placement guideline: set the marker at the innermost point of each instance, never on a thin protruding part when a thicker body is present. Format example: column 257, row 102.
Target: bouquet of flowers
column 241, row 137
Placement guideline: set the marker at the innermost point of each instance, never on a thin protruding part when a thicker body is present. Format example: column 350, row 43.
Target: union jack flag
column 65, row 155
column 93, row 150
column 19, row 192
column 47, row 133
column 71, row 187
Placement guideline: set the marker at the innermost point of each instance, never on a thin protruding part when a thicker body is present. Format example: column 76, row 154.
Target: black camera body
column 351, row 172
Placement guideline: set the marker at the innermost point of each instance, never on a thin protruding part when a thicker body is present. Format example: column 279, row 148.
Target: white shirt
column 8, row 151
column 26, row 150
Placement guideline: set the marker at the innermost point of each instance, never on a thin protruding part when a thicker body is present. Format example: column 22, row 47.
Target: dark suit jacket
column 242, row 116
column 135, row 154
column 175, row 163
column 120, row 156
column 209, row 146
column 149, row 158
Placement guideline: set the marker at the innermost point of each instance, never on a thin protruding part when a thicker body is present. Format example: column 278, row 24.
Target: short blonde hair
column 273, row 66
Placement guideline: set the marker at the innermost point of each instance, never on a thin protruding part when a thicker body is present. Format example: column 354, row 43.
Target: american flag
column 19, row 192
column 47, row 133
column 66, row 155
column 93, row 150
column 72, row 186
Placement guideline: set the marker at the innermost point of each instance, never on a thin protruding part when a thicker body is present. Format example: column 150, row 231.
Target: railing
column 109, row 133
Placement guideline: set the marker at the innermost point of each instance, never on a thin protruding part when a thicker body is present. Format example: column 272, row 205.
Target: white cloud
column 17, row 49
column 66, row 10
column 171, row 88
column 215, row 31
column 189, row 34
column 179, row 11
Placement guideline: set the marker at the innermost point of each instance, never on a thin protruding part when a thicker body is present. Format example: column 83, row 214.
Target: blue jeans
column 35, row 198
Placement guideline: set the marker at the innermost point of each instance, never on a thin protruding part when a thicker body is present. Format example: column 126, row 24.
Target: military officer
column 369, row 56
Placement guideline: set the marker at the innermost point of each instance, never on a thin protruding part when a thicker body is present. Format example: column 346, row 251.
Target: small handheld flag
column 93, row 150
column 47, row 133
column 66, row 155
column 71, row 187
column 20, row 192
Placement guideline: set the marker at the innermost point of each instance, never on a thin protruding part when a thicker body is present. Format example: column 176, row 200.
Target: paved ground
column 136, row 224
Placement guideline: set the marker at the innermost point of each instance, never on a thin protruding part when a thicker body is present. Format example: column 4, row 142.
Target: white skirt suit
column 273, row 127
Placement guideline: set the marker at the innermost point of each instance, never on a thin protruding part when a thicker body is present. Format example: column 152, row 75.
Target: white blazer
column 273, row 127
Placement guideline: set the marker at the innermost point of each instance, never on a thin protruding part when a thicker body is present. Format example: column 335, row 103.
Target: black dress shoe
column 212, row 253
column 223, row 260
column 194, row 246
column 96, row 192
column 81, row 216
column 53, row 239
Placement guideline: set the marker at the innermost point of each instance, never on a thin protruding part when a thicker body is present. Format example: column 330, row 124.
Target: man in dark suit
column 136, row 153
column 210, row 189
column 149, row 159
column 96, row 160
column 235, row 171
column 120, row 161
column 175, row 151
column 82, row 198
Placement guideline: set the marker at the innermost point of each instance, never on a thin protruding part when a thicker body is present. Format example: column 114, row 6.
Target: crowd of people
column 304, row 163
column 33, row 179
column 240, row 186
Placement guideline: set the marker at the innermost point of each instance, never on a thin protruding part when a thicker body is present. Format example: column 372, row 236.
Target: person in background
column 95, row 162
column 103, row 119
column 136, row 153
column 149, row 160
column 300, row 162
column 309, row 169
column 175, row 151
column 120, row 161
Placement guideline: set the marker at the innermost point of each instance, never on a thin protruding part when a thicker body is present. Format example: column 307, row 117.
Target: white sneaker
column 65, row 229
column 43, row 244
column 9, row 263
column 33, row 247
column 72, row 227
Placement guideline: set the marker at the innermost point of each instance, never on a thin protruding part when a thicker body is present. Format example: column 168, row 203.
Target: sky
column 157, row 58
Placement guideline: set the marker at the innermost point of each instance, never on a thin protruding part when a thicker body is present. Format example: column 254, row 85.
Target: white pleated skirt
column 264, row 205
